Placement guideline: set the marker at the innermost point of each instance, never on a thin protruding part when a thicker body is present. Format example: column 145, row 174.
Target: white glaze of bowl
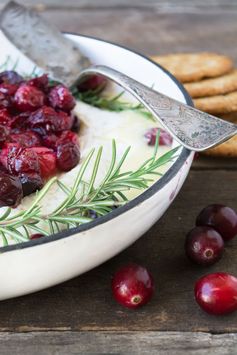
column 42, row 263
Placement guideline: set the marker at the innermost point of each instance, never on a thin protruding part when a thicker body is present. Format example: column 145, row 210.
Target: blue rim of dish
column 133, row 203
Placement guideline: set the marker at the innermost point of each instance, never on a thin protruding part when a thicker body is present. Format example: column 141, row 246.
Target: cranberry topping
column 8, row 89
column 4, row 134
column 47, row 161
column 221, row 218
column 92, row 83
column 61, row 98
column 10, row 190
column 10, row 77
column 132, row 286
column 164, row 137
column 31, row 183
column 36, row 236
column 26, row 139
column 28, row 98
column 40, row 82
column 5, row 101
column 5, row 117
column 45, row 120
column 68, row 156
column 22, row 160
column 217, row 293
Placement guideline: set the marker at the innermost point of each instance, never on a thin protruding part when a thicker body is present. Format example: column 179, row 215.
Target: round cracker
column 219, row 104
column 189, row 67
column 227, row 149
column 216, row 86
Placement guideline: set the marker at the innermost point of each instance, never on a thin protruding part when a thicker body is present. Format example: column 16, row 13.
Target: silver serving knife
column 62, row 59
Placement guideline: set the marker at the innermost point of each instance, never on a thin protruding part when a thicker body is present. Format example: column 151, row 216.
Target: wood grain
column 132, row 343
column 85, row 303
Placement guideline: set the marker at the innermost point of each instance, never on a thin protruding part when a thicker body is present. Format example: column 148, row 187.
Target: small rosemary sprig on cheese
column 111, row 103
column 83, row 197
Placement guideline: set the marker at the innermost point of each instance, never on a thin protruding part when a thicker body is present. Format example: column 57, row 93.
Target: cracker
column 189, row 67
column 216, row 86
column 227, row 149
column 220, row 104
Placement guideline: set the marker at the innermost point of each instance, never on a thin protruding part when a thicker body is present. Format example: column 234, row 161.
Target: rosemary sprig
column 114, row 103
column 83, row 197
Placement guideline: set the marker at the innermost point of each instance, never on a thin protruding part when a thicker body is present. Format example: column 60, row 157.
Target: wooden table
column 80, row 315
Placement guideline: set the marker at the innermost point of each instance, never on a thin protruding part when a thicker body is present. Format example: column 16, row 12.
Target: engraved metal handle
column 194, row 129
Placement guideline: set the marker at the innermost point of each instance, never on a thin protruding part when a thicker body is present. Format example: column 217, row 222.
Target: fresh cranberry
column 26, row 139
column 40, row 82
column 36, row 236
column 5, row 101
column 47, row 161
column 164, row 138
column 4, row 134
column 76, row 124
column 10, row 77
column 217, row 293
column 132, row 286
column 92, row 83
column 8, row 89
column 31, row 183
column 204, row 245
column 22, row 160
column 10, row 190
column 221, row 218
column 45, row 120
column 28, row 98
column 68, row 156
column 61, row 98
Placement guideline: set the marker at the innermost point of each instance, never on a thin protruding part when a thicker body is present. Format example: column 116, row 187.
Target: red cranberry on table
column 221, row 218
column 28, row 98
column 217, row 293
column 204, row 245
column 10, row 190
column 92, row 83
column 132, row 286
column 61, row 98
column 164, row 137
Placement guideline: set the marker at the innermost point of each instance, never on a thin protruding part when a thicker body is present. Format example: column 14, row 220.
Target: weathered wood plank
column 86, row 303
column 132, row 343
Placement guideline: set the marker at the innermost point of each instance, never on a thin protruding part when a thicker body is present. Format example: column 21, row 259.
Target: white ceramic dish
column 42, row 263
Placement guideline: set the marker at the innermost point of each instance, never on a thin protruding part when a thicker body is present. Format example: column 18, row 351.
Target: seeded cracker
column 219, row 104
column 190, row 67
column 214, row 86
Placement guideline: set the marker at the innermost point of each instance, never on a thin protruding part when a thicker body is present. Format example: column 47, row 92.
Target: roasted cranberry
column 221, row 218
column 10, row 190
column 6, row 151
column 132, row 286
column 36, row 236
column 31, row 183
column 67, row 136
column 5, row 101
column 164, row 137
column 68, row 156
column 22, row 160
column 92, row 83
column 10, row 77
column 4, row 134
column 217, row 293
column 204, row 245
column 45, row 120
column 47, row 161
column 5, row 117
column 50, row 141
column 65, row 121
column 28, row 98
column 61, row 98
column 76, row 124
column 8, row 89
column 19, row 122
column 40, row 82
column 26, row 139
